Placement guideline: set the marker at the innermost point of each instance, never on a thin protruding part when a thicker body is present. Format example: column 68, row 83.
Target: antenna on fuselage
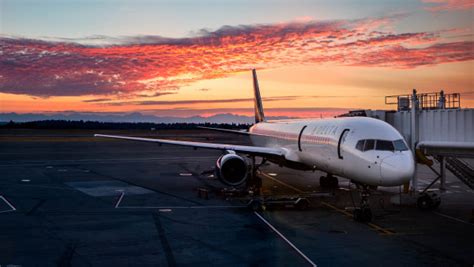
column 259, row 116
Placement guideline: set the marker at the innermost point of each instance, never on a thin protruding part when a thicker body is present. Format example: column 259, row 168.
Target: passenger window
column 369, row 144
column 384, row 145
column 360, row 145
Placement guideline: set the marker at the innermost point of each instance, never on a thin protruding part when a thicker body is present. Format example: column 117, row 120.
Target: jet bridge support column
column 414, row 136
column 442, row 171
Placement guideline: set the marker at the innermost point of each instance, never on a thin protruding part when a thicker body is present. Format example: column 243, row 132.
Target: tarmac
column 67, row 199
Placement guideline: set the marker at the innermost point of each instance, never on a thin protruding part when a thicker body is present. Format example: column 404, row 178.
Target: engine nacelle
column 232, row 169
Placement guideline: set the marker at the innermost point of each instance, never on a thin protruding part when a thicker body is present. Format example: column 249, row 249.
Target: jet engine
column 232, row 169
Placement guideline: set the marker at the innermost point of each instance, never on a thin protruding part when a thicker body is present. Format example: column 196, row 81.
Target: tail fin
column 259, row 116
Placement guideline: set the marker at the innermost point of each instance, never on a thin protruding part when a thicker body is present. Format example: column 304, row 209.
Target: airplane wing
column 225, row 130
column 251, row 150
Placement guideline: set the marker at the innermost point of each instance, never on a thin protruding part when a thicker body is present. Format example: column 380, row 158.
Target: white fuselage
column 336, row 146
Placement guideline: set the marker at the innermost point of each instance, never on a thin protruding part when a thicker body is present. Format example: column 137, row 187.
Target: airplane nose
column 397, row 169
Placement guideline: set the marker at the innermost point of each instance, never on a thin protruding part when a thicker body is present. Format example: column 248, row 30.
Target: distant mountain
column 129, row 117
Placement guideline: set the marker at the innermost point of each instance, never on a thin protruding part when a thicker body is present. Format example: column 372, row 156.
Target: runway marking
column 285, row 239
column 452, row 218
column 183, row 207
column 9, row 204
column 99, row 161
column 371, row 225
column 169, row 208
column 120, row 199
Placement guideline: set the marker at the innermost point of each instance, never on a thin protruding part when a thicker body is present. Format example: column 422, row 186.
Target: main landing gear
column 328, row 181
column 363, row 212
column 254, row 182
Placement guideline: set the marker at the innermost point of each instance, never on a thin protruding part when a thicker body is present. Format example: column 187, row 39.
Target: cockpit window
column 369, row 144
column 360, row 145
column 400, row 145
column 384, row 145
column 381, row 145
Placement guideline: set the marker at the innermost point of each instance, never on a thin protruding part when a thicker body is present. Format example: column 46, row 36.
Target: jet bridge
column 434, row 124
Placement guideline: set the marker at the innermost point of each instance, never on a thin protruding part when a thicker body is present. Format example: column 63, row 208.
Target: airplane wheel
column 328, row 182
column 323, row 181
column 425, row 203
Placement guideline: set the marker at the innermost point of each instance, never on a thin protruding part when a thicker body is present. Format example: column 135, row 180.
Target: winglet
column 259, row 116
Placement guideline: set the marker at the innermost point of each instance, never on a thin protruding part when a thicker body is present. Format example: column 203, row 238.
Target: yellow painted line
column 282, row 183
column 371, row 225
column 381, row 229
column 337, row 209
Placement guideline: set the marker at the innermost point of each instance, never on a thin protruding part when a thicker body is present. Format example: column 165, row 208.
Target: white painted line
column 25, row 180
column 119, row 200
column 182, row 207
column 169, row 208
column 9, row 204
column 452, row 218
column 165, row 210
column 285, row 239
column 5, row 211
column 185, row 174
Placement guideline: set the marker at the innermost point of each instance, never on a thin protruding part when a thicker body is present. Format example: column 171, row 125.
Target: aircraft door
column 340, row 147
column 299, row 138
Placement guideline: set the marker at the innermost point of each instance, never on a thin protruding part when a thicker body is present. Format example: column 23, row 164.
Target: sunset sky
column 186, row 58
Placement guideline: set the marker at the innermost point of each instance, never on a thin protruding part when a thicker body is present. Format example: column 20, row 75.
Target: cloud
column 192, row 102
column 445, row 5
column 110, row 102
column 97, row 100
column 303, row 112
column 156, row 94
column 134, row 65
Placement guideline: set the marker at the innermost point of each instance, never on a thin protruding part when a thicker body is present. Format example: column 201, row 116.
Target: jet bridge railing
column 425, row 101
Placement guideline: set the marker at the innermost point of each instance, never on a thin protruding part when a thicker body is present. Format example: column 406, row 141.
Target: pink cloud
column 156, row 64
column 443, row 5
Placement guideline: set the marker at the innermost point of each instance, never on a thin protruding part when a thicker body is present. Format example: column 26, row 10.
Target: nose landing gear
column 363, row 213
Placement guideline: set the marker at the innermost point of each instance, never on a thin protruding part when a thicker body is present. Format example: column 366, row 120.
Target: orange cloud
column 155, row 64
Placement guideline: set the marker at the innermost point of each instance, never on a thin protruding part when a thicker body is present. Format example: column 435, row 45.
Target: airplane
column 367, row 151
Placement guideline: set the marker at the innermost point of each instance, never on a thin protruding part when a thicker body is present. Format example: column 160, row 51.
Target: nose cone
column 397, row 169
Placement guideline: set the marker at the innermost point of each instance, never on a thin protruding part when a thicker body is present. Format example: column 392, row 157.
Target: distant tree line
column 97, row 125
